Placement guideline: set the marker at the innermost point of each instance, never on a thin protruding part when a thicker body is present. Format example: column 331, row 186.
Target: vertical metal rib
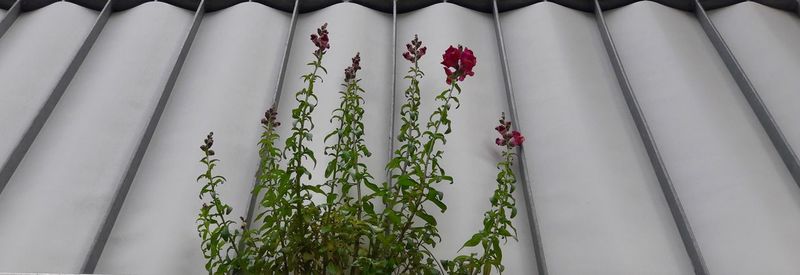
column 251, row 207
column 101, row 237
column 394, row 88
column 10, row 17
column 749, row 91
column 288, row 50
column 541, row 264
column 675, row 206
column 16, row 156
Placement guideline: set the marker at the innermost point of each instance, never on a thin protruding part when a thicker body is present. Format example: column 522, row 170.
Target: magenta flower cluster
column 321, row 40
column 507, row 137
column 350, row 72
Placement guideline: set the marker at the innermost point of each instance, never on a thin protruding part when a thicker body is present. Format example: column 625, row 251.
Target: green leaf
column 393, row 217
column 475, row 240
column 434, row 198
column 405, row 181
column 427, row 218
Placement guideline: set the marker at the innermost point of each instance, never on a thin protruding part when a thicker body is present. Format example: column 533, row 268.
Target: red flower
column 458, row 63
column 415, row 51
column 516, row 139
column 451, row 56
column 468, row 62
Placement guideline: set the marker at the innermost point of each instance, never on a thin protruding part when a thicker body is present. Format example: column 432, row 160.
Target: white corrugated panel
column 596, row 194
column 57, row 199
column 766, row 42
column 34, row 54
column 739, row 197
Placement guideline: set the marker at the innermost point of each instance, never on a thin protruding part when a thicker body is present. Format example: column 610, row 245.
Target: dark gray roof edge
column 402, row 5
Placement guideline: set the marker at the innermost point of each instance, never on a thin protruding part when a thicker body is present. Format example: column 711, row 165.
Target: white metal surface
column 741, row 201
column 597, row 198
column 58, row 196
column 35, row 52
column 766, row 41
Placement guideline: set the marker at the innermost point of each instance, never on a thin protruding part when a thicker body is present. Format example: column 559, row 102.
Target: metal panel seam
column 104, row 231
column 288, row 50
column 10, row 17
column 533, row 223
column 16, row 156
column 750, row 93
column 667, row 188
column 394, row 88
column 275, row 100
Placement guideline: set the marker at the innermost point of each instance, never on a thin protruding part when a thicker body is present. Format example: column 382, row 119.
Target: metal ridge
column 660, row 169
column 750, row 93
column 104, row 232
column 276, row 97
column 404, row 6
column 527, row 186
column 9, row 166
column 10, row 17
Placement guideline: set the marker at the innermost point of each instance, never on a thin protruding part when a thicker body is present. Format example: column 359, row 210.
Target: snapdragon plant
column 355, row 225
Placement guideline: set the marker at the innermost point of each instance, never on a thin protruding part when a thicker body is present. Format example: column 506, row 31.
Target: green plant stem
column 423, row 180
column 297, row 159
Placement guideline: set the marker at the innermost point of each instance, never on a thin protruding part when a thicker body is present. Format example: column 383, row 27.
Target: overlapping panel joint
column 92, row 107
column 719, row 157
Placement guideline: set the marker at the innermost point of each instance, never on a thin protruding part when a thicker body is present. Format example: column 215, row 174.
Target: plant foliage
column 347, row 223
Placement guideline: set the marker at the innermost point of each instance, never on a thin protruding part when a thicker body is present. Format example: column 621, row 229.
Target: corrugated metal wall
column 659, row 139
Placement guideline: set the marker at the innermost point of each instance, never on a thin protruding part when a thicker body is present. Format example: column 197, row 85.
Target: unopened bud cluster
column 207, row 143
column 415, row 51
column 350, row 72
column 270, row 118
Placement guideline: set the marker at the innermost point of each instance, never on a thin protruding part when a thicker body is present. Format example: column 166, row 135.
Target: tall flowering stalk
column 214, row 228
column 418, row 169
column 402, row 167
column 497, row 224
column 300, row 248
column 343, row 221
column 269, row 239
column 292, row 234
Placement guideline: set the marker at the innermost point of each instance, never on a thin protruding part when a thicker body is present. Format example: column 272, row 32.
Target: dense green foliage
column 347, row 223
